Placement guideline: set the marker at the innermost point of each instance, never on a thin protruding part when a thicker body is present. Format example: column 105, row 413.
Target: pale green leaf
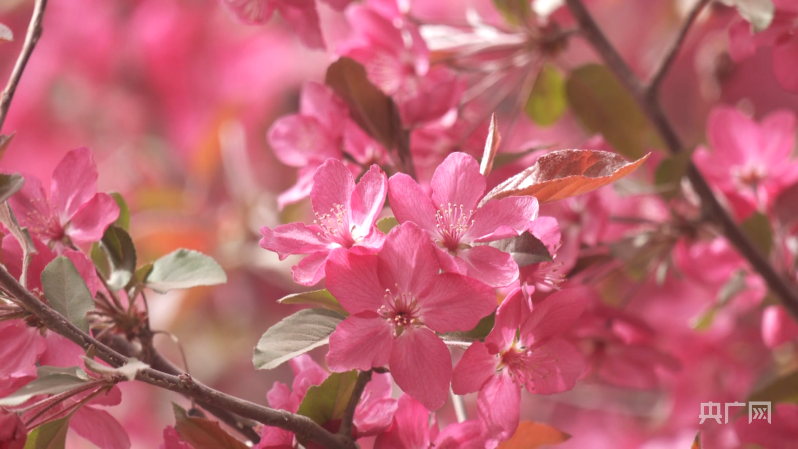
column 184, row 268
column 67, row 292
column 319, row 298
column 326, row 402
column 295, row 335
column 51, row 435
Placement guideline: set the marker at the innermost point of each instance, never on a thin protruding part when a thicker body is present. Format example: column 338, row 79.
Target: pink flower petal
column 251, row 12
column 172, row 440
column 732, row 135
column 489, row 265
column 361, row 341
column 410, row 427
column 778, row 326
column 499, row 405
column 298, row 139
column 279, row 396
column 456, row 303
column 457, row 181
column 60, row 351
column 303, row 18
column 408, row 262
column 86, row 269
column 307, row 373
column 511, row 313
column 741, row 44
column 421, row 366
column 32, row 210
column 555, row 367
column 557, row 313
column 20, row 347
column 338, row 4
column 99, row 427
column 74, row 183
column 779, row 433
column 374, row 417
column 110, row 398
column 293, row 238
column 368, row 199
column 310, row 270
column 547, row 230
column 410, row 203
column 465, row 435
column 300, row 190
column 320, row 102
column 352, row 279
column 785, row 63
column 777, row 134
column 90, row 222
column 12, row 259
column 475, row 367
column 514, row 212
column 333, row 185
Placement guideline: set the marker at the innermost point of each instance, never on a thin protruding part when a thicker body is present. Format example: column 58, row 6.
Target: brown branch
column 349, row 413
column 651, row 108
column 665, row 64
column 31, row 38
column 300, row 425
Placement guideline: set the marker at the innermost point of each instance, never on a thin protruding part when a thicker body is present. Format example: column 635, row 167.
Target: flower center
column 45, row 226
column 400, row 310
column 751, row 175
column 527, row 365
column 335, row 225
column 453, row 222
column 545, row 275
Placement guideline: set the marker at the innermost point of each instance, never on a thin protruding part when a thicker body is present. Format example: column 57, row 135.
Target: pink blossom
column 778, row 326
column 13, row 434
column 780, row 433
column 749, row 162
column 398, row 299
column 782, row 38
column 320, row 131
column 451, row 218
column 22, row 343
column 345, row 217
column 172, row 440
column 396, row 59
column 74, row 209
column 544, row 276
column 301, row 15
column 372, row 415
column 524, row 349
column 411, row 428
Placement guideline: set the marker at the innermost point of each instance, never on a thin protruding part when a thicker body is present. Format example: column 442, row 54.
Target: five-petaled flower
column 451, row 217
column 523, row 349
column 75, row 209
column 398, row 299
column 345, row 217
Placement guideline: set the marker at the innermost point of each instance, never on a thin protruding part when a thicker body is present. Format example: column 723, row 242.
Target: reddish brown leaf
column 203, row 433
column 491, row 147
column 531, row 435
column 566, row 173
column 375, row 112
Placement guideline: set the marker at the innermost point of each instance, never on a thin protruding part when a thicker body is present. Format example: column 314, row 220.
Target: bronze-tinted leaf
column 566, row 173
column 532, row 434
column 203, row 433
column 375, row 112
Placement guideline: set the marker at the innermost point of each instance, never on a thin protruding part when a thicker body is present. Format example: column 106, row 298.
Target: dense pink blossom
column 450, row 217
column 321, row 130
column 13, row 434
column 74, row 208
column 780, row 432
column 411, row 428
column 749, row 161
column 524, row 349
column 345, row 217
column 778, row 326
column 172, row 440
column 398, row 299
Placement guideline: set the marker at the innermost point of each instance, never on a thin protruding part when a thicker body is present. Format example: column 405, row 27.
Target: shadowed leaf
column 526, row 249
column 67, row 292
column 121, row 255
column 326, row 402
column 124, row 211
column 565, row 173
column 783, row 389
column 51, row 380
column 51, row 435
column 203, row 433
column 9, row 185
column 295, row 335
column 757, row 228
column 319, row 298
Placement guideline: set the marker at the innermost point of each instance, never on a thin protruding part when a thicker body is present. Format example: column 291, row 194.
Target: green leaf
column 604, row 106
column 479, row 332
column 100, row 259
column 5, row 140
column 526, row 249
column 295, row 335
column 386, row 224
column 67, row 292
column 124, row 211
column 669, row 174
column 53, row 381
column 515, row 12
column 547, row 102
column 319, row 298
column 326, row 402
column 9, row 185
column 184, row 268
column 783, row 389
column 118, row 245
column 51, row 435
column 757, row 228
column 759, row 13
column 203, row 433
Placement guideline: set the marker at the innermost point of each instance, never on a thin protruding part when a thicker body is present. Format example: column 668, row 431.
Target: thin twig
column 662, row 69
column 459, row 407
column 651, row 107
column 34, row 33
column 349, row 413
column 300, row 425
